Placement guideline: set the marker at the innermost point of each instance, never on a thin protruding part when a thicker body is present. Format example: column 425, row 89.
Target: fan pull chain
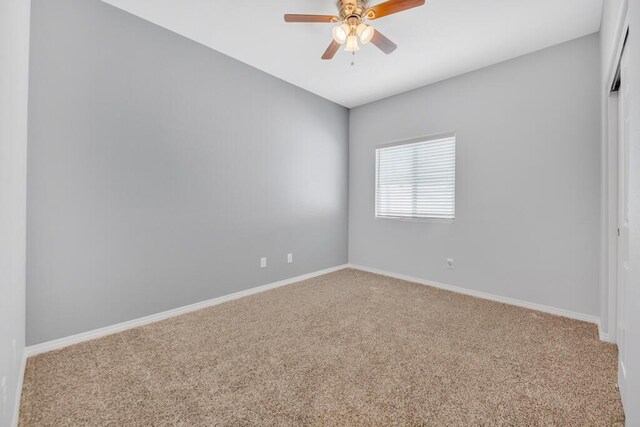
column 352, row 62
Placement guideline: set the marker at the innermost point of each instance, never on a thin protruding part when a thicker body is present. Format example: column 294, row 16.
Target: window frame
column 416, row 140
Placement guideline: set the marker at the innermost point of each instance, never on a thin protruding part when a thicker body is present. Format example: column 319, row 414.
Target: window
column 417, row 179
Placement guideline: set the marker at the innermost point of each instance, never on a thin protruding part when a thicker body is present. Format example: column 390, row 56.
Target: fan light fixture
column 352, row 44
column 351, row 28
column 340, row 33
column 365, row 32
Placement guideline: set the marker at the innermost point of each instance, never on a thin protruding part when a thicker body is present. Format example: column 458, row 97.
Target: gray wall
column 527, row 199
column 14, row 70
column 160, row 171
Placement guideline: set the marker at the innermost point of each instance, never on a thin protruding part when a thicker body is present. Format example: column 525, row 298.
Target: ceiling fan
column 350, row 26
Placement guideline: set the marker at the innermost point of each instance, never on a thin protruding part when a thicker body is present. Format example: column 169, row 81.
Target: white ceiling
column 442, row 39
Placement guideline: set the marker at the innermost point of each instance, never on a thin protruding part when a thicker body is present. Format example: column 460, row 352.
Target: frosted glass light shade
column 352, row 44
column 340, row 33
column 365, row 32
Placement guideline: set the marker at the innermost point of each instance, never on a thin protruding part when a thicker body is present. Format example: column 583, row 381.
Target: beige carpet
column 348, row 348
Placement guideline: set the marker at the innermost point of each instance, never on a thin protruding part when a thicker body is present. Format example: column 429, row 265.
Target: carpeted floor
column 347, row 348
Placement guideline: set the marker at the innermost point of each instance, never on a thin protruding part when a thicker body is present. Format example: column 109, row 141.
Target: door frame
column 623, row 181
column 610, row 188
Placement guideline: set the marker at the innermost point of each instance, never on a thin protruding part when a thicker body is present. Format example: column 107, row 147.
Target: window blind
column 416, row 180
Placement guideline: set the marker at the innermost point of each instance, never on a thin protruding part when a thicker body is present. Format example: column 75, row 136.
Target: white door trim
column 610, row 223
column 623, row 221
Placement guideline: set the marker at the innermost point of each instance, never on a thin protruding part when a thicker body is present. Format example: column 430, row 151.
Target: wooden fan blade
column 383, row 43
column 391, row 7
column 331, row 50
column 310, row 18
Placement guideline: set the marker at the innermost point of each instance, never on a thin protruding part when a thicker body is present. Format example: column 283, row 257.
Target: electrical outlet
column 450, row 263
column 289, row 258
column 263, row 262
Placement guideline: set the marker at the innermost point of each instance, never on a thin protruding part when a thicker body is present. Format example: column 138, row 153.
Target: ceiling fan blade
column 310, row 18
column 383, row 43
column 391, row 7
column 331, row 50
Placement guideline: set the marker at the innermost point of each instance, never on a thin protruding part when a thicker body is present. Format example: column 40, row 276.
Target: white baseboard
column 119, row 327
column 108, row 330
column 603, row 335
column 484, row 295
column 16, row 406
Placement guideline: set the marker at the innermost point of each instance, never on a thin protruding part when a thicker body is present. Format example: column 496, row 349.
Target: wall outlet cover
column 263, row 262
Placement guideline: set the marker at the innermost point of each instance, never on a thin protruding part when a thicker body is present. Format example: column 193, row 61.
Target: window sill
column 434, row 220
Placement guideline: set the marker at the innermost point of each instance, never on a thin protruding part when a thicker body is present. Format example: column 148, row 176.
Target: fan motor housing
column 351, row 8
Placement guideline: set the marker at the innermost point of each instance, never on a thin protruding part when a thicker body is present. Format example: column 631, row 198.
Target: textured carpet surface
column 347, row 348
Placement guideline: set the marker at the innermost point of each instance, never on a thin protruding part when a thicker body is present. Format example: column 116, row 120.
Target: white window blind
column 417, row 180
